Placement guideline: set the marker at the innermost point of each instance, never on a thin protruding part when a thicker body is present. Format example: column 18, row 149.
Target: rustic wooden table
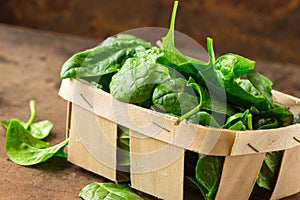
column 30, row 62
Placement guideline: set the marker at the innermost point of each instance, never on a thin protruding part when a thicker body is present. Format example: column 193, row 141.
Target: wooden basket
column 157, row 145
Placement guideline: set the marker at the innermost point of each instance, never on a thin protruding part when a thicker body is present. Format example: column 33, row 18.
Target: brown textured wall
column 267, row 29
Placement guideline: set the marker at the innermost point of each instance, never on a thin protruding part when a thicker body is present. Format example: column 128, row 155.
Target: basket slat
column 83, row 151
column 289, row 174
column 157, row 168
column 239, row 176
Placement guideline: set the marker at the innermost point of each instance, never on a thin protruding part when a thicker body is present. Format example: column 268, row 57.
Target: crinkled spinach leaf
column 275, row 117
column 108, row 191
column 135, row 81
column 230, row 67
column 103, row 59
column 174, row 97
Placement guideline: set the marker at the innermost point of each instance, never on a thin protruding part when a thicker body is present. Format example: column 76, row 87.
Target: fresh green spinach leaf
column 174, row 97
column 39, row 130
column 168, row 42
column 204, row 119
column 135, row 81
column 4, row 123
column 269, row 171
column 208, row 174
column 108, row 191
column 103, row 59
column 210, row 102
column 230, row 67
column 24, row 149
column 277, row 116
column 191, row 182
column 261, row 83
column 123, row 143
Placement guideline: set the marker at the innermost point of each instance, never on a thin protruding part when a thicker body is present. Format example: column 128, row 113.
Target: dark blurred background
column 260, row 29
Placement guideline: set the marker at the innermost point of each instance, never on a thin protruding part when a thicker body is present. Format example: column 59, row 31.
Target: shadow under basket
column 158, row 145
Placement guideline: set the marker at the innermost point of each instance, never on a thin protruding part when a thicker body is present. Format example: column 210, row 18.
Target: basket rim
column 194, row 137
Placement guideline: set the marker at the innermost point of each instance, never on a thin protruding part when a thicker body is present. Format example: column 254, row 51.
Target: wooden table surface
column 30, row 63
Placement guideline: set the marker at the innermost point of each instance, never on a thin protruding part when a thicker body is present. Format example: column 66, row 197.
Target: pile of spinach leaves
column 225, row 93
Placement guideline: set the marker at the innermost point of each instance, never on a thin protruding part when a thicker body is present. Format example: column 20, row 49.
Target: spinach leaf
column 277, row 116
column 174, row 97
column 168, row 43
column 204, row 119
column 233, row 66
column 23, row 149
column 191, row 182
column 103, row 59
column 101, row 82
column 209, row 101
column 135, row 81
column 208, row 174
column 269, row 171
column 207, row 75
column 261, row 83
column 4, row 123
column 230, row 67
column 39, row 130
column 266, row 123
column 123, row 143
column 205, row 103
column 108, row 191
column 239, row 121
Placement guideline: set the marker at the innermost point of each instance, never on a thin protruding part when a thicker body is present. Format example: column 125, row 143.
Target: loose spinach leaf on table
column 135, row 81
column 39, row 130
column 23, row 144
column 106, row 58
column 24, row 149
column 108, row 191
